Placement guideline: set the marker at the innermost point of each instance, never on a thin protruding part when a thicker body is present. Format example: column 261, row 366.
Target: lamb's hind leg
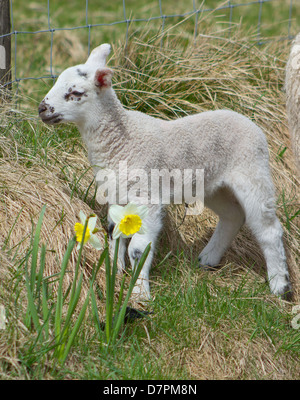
column 257, row 199
column 232, row 217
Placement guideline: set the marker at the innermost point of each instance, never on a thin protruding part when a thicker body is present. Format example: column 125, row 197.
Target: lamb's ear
column 103, row 78
column 98, row 56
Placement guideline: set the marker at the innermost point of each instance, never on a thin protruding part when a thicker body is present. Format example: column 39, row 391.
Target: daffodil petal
column 116, row 212
column 130, row 208
column 143, row 229
column 82, row 217
column 116, row 232
column 143, row 211
column 92, row 223
column 95, row 242
column 126, row 236
column 140, row 210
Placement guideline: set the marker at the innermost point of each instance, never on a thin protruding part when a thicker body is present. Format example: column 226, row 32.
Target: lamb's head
column 77, row 88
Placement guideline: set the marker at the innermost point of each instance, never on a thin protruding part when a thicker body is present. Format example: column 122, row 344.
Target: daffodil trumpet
column 86, row 230
column 128, row 220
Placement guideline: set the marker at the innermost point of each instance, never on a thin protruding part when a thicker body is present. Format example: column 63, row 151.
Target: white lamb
column 292, row 88
column 230, row 148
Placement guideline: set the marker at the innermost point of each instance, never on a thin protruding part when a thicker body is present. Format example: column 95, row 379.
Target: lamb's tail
column 292, row 89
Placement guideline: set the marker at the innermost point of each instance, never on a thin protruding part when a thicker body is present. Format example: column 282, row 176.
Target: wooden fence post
column 5, row 43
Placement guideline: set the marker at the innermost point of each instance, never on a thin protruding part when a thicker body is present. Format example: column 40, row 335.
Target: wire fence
column 125, row 18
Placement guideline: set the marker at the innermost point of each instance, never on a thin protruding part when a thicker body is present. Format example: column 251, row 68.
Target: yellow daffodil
column 91, row 229
column 128, row 220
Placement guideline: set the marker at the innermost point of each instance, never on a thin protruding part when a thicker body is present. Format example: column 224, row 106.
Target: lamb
column 292, row 89
column 229, row 147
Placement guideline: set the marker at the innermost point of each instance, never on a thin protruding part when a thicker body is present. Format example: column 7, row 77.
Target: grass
column 201, row 329
column 220, row 325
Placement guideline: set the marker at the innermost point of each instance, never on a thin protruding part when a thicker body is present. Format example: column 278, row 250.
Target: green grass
column 190, row 306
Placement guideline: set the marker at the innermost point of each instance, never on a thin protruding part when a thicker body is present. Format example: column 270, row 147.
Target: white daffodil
column 91, row 229
column 128, row 220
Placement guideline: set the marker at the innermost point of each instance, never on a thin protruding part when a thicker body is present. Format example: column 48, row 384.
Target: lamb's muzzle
column 47, row 114
column 42, row 107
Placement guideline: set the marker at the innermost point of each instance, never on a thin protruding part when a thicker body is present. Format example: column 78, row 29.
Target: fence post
column 5, row 43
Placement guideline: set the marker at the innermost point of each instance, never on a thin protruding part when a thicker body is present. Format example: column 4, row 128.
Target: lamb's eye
column 75, row 93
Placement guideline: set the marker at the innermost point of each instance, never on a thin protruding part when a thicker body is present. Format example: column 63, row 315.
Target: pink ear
column 103, row 78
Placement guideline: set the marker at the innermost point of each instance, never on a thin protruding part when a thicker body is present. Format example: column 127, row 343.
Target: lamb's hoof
column 139, row 298
column 281, row 286
column 287, row 293
column 140, row 295
column 131, row 314
column 208, row 267
column 209, row 260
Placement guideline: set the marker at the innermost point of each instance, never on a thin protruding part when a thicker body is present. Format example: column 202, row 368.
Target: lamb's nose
column 42, row 107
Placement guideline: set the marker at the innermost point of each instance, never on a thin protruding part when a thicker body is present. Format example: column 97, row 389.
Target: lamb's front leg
column 136, row 247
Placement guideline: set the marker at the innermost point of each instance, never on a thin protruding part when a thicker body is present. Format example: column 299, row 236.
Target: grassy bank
column 204, row 325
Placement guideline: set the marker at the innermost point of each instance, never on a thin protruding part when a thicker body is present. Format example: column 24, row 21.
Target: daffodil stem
column 120, row 294
column 61, row 332
column 59, row 302
column 135, row 274
column 114, row 271
column 108, row 305
column 113, row 326
column 110, row 289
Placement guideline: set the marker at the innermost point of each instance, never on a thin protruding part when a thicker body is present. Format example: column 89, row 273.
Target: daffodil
column 128, row 220
column 91, row 229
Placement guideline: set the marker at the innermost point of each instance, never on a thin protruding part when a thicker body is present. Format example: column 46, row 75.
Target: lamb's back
column 212, row 139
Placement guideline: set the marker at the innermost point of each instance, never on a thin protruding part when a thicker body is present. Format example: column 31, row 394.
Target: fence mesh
column 52, row 17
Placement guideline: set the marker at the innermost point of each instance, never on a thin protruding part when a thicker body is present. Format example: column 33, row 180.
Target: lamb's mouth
column 52, row 119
